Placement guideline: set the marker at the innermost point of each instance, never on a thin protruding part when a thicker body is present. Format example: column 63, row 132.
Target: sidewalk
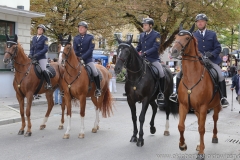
column 9, row 107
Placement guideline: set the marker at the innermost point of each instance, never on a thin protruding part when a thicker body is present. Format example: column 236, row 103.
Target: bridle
column 182, row 33
column 14, row 54
column 125, row 60
column 66, row 55
column 9, row 45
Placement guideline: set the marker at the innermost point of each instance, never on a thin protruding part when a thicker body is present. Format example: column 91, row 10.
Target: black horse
column 142, row 86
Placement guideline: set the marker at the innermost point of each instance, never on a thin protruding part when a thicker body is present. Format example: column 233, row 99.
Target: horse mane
column 195, row 42
column 20, row 48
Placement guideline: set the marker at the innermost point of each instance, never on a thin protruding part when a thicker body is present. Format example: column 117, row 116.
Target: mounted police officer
column 84, row 45
column 148, row 44
column 209, row 47
column 38, row 52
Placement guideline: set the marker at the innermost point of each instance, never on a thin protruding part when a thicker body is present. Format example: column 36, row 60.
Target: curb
column 45, row 102
column 18, row 119
column 9, row 121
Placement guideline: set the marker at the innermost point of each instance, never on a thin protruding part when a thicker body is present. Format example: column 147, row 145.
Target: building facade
column 15, row 18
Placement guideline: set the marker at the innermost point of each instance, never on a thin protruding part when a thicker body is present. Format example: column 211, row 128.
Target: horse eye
column 68, row 47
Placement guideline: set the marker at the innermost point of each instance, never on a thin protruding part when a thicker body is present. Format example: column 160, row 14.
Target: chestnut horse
column 75, row 85
column 26, row 82
column 195, row 88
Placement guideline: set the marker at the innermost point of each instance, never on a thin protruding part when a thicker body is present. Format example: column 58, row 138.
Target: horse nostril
column 175, row 51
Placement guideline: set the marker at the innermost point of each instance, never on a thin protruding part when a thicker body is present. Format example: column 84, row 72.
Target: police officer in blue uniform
column 208, row 46
column 148, row 44
column 38, row 51
column 83, row 45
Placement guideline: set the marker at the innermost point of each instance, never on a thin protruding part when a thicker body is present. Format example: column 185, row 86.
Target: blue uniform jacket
column 235, row 82
column 39, row 47
column 209, row 43
column 149, row 44
column 84, row 46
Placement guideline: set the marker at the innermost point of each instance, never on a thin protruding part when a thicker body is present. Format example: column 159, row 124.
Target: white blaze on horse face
column 119, row 53
column 60, row 55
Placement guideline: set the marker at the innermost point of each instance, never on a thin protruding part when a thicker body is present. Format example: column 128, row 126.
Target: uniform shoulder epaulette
column 90, row 35
column 211, row 31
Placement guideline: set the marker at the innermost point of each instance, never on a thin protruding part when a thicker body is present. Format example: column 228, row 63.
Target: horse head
column 182, row 39
column 123, row 52
column 64, row 49
column 10, row 49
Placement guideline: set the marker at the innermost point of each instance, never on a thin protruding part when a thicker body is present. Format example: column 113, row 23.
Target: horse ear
column 192, row 29
column 60, row 37
column 69, row 38
column 15, row 38
column 118, row 40
column 7, row 37
column 181, row 27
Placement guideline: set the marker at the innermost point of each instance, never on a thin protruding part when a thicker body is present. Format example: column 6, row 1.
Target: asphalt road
column 112, row 140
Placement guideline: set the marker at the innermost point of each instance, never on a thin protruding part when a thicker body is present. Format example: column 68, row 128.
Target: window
column 138, row 37
column 129, row 36
column 119, row 35
column 102, row 43
column 9, row 28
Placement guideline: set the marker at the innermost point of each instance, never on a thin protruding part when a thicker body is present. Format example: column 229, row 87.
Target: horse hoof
column 66, row 136
column 133, row 139
column 27, row 134
column 152, row 130
column 140, row 143
column 81, row 136
column 198, row 148
column 42, row 127
column 21, row 132
column 60, row 127
column 94, row 130
column 214, row 140
column 183, row 148
column 166, row 133
column 200, row 156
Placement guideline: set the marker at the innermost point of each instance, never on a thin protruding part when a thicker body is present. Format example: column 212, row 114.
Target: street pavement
column 112, row 140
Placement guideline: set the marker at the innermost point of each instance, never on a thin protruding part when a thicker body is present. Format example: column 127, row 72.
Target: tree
column 229, row 37
column 63, row 16
column 168, row 14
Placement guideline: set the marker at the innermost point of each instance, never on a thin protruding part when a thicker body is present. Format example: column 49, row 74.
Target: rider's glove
column 208, row 54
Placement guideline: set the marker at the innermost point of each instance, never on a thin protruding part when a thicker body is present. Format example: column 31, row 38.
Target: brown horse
column 26, row 82
column 75, row 85
column 196, row 88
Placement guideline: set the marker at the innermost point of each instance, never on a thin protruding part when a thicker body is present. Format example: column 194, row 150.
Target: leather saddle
column 38, row 71
column 90, row 75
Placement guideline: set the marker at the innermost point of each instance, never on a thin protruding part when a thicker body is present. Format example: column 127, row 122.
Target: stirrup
column 160, row 99
column 224, row 105
column 48, row 86
column 160, row 96
column 97, row 93
column 174, row 97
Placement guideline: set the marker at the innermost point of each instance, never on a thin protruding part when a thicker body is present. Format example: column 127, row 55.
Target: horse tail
column 171, row 107
column 174, row 108
column 107, row 105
